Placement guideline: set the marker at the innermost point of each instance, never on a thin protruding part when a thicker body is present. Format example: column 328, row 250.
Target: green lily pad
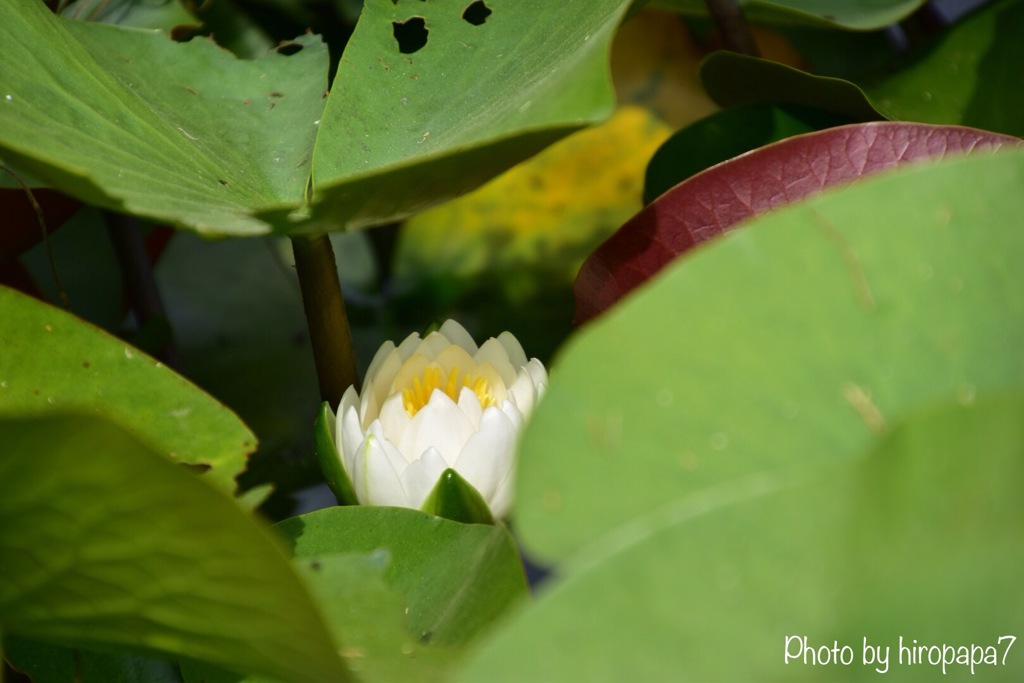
column 789, row 343
column 916, row 543
column 861, row 15
column 54, row 362
column 733, row 79
column 124, row 549
column 187, row 134
column 967, row 77
column 403, row 131
column 456, row 579
column 129, row 120
column 455, row 498
column 365, row 613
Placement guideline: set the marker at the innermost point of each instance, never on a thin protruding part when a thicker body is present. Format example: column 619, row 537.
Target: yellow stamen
column 417, row 395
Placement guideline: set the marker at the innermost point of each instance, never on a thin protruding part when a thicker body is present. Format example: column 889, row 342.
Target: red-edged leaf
column 715, row 200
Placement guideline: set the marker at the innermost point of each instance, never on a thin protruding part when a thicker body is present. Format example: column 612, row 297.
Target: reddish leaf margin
column 717, row 199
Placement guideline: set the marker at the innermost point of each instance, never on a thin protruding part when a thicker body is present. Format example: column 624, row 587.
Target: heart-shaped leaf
column 770, row 177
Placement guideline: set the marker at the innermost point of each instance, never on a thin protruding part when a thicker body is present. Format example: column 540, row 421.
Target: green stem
column 325, row 316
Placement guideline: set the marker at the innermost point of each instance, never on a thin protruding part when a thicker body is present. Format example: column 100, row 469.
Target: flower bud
column 438, row 403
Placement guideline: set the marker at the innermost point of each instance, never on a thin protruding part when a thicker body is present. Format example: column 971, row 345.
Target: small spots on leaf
column 477, row 13
column 222, row 182
column 275, row 94
column 410, row 34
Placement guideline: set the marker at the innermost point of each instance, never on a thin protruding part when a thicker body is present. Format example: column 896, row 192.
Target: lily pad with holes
column 187, row 134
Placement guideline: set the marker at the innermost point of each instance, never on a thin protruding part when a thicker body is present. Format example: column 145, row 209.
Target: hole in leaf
column 477, row 13
column 288, row 49
column 410, row 34
column 196, row 467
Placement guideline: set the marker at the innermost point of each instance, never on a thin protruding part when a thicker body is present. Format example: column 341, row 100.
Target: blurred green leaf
column 732, row 79
column 858, row 15
column 405, row 592
column 161, row 14
column 367, row 615
column 786, row 344
column 123, row 548
column 968, row 76
column 921, row 538
column 456, row 579
column 49, row 663
column 52, row 362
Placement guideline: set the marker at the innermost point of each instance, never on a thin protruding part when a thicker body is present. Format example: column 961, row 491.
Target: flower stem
column 728, row 18
column 325, row 316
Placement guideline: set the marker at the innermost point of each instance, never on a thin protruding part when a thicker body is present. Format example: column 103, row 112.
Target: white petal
column 374, row 477
column 513, row 414
column 413, row 367
column 516, row 355
column 395, row 421
column 456, row 334
column 493, row 352
column 501, row 503
column 487, row 456
column 421, row 476
column 433, row 344
column 378, row 384
column 408, row 345
column 469, row 404
column 383, row 352
column 494, row 382
column 350, row 432
column 452, row 357
column 539, row 375
column 523, row 392
column 440, row 424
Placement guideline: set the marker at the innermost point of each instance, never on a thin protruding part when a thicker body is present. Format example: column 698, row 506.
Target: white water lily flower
column 436, row 403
